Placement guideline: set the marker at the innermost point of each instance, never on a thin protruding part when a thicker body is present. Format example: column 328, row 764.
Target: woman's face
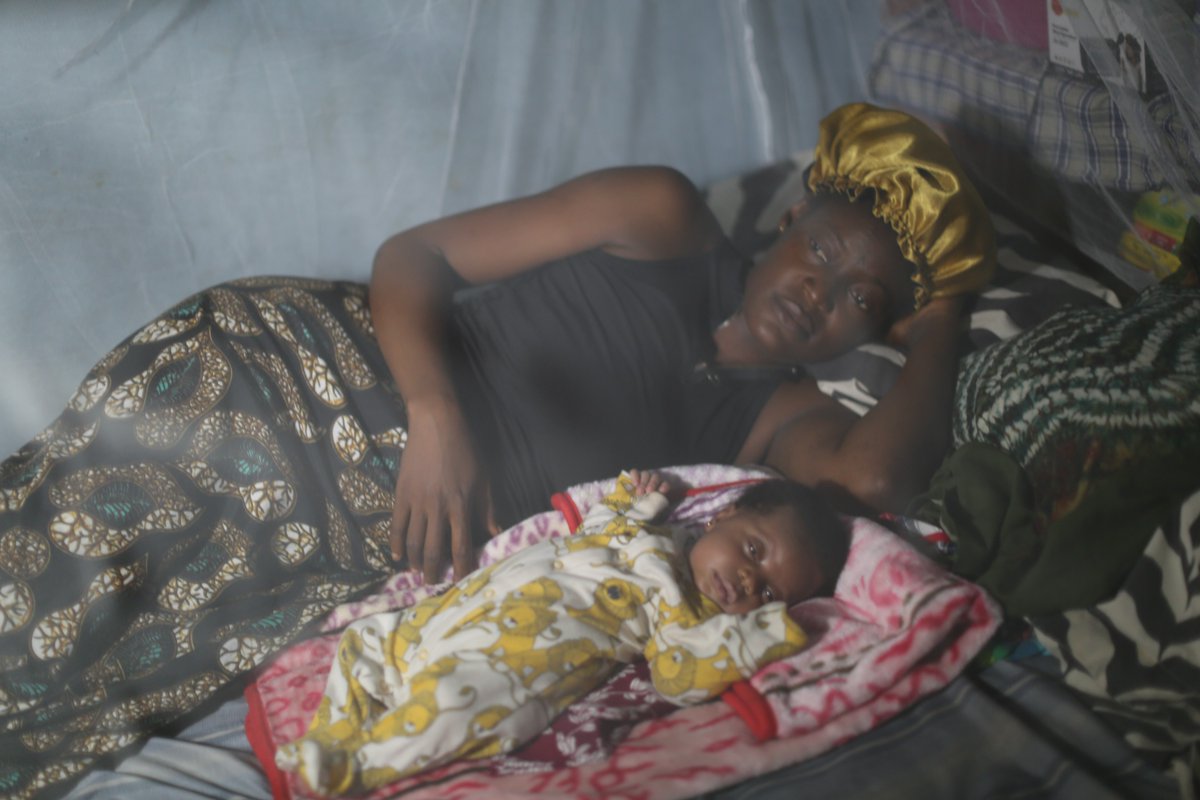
column 835, row 279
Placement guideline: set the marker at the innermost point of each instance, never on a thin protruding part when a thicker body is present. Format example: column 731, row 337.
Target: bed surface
column 1005, row 730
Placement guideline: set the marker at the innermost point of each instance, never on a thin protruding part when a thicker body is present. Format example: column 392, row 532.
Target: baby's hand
column 646, row 481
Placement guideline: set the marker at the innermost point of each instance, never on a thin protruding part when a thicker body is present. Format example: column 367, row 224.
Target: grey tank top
column 584, row 366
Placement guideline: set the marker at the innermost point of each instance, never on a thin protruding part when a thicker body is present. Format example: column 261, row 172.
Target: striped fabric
column 1136, row 657
column 1083, row 398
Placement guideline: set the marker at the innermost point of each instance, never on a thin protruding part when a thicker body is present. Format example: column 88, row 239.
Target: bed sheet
column 1010, row 729
column 898, row 628
column 1006, row 731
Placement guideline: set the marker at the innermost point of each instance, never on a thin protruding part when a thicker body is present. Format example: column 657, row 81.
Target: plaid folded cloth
column 1078, row 132
column 1068, row 123
column 929, row 63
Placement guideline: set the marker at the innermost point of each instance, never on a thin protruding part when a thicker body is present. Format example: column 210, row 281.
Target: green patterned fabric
column 1074, row 441
column 210, row 491
column 1087, row 393
column 1074, row 497
column 980, row 496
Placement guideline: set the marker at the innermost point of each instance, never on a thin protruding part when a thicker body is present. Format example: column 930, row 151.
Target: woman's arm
column 636, row 212
column 883, row 459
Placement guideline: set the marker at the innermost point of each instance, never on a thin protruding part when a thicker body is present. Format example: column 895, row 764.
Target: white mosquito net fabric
column 153, row 148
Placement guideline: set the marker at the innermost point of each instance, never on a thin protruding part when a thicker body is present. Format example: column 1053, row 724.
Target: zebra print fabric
column 1074, row 400
column 1136, row 657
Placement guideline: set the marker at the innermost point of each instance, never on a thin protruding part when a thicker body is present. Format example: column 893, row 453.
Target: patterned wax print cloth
column 209, row 491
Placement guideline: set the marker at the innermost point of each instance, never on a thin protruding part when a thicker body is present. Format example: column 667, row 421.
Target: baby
column 486, row 666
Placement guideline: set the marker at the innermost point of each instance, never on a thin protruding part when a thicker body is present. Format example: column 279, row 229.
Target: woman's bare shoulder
column 804, row 417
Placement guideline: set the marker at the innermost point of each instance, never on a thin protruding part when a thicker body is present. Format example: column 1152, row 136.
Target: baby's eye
column 752, row 549
column 768, row 595
column 860, row 300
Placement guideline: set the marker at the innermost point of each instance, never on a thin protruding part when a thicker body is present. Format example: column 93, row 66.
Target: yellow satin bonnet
column 921, row 191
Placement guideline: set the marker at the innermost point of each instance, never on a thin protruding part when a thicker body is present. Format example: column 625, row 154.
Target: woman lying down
column 483, row 668
column 273, row 447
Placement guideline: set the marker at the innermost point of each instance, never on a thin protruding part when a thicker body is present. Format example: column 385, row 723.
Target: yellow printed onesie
column 485, row 667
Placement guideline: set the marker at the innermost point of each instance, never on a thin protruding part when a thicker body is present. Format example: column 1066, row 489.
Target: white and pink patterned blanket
column 897, row 629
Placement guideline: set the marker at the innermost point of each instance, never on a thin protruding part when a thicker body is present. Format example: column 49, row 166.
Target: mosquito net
column 1079, row 115
column 152, row 148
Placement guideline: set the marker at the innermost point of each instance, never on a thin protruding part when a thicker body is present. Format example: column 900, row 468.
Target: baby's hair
column 825, row 534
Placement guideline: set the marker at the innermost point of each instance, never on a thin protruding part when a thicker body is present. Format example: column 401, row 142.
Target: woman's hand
column 636, row 212
column 440, row 490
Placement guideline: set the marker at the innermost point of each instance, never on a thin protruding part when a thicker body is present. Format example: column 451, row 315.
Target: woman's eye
column 816, row 248
column 860, row 300
column 752, row 549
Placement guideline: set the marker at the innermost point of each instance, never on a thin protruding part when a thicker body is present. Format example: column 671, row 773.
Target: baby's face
column 747, row 559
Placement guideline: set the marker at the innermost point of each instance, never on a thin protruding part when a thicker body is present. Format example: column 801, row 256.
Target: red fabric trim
column 937, row 537
column 753, row 708
column 717, row 486
column 565, row 504
column 259, row 736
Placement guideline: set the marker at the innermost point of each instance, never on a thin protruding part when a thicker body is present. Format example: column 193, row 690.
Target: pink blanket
column 897, row 629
